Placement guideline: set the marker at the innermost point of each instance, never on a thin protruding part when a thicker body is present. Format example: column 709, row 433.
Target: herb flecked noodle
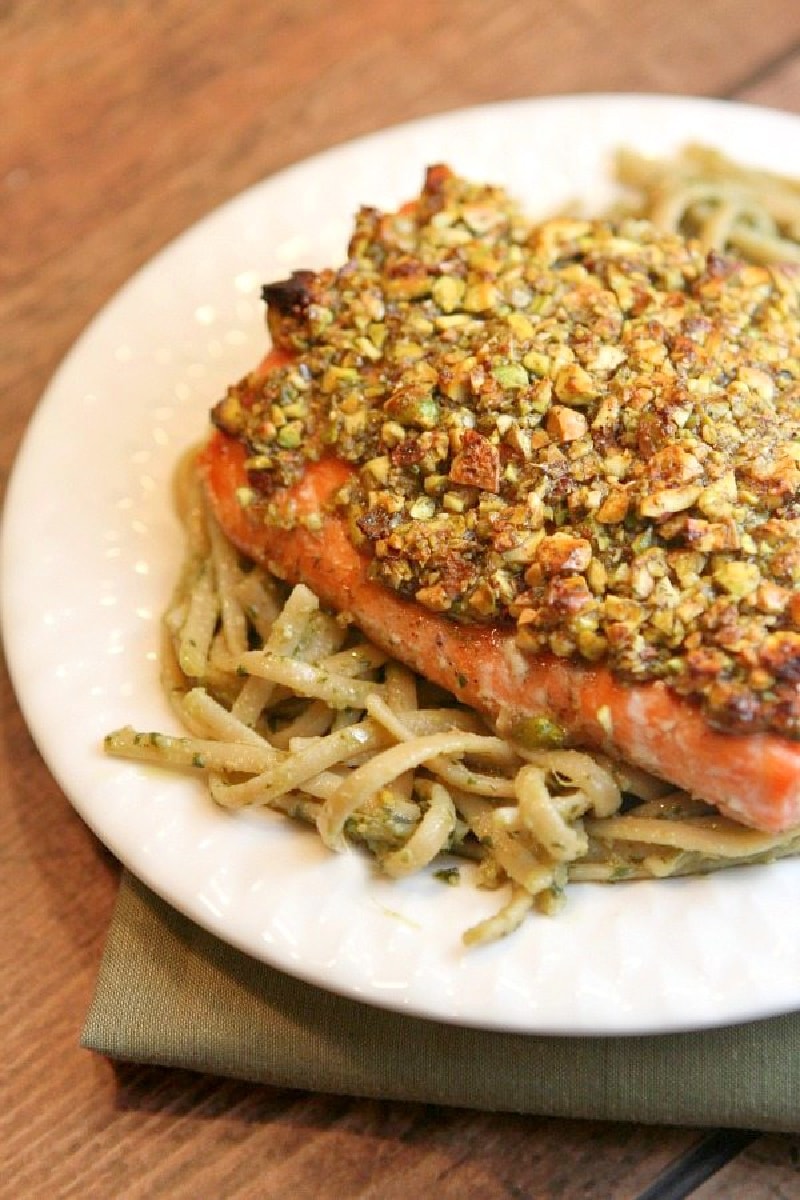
column 289, row 708
column 753, row 214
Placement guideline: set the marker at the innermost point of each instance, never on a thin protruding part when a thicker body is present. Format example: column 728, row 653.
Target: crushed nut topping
column 584, row 427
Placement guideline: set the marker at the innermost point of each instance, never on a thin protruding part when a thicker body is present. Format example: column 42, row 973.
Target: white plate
column 90, row 550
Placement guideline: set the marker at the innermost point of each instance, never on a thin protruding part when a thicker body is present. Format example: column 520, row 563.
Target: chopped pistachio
column 423, row 509
column 537, row 362
column 414, row 405
column 448, row 292
column 537, row 733
column 737, row 578
column 481, row 297
column 511, row 375
column 290, row 436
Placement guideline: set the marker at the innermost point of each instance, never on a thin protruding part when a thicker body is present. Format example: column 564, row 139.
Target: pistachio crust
column 586, row 428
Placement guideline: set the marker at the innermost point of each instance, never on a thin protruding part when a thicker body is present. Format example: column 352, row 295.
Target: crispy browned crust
column 589, row 429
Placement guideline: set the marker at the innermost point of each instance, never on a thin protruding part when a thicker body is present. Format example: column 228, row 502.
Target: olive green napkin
column 172, row 994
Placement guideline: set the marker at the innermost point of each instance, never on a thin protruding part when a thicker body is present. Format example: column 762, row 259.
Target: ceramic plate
column 91, row 548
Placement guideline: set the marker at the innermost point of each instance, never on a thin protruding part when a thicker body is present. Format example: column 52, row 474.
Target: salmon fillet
column 753, row 778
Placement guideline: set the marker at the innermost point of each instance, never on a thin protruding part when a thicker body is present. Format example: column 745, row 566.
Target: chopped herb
column 449, row 875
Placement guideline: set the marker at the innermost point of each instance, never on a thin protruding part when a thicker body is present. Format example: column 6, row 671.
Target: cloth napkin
column 171, row 994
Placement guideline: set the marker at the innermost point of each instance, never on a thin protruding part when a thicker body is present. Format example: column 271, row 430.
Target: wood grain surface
column 122, row 123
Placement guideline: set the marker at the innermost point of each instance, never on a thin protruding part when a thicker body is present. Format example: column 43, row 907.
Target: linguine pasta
column 727, row 207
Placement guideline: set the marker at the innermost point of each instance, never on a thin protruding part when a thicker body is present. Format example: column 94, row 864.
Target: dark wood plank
column 769, row 1169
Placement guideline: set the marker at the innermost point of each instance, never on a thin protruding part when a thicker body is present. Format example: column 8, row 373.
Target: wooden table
column 123, row 122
